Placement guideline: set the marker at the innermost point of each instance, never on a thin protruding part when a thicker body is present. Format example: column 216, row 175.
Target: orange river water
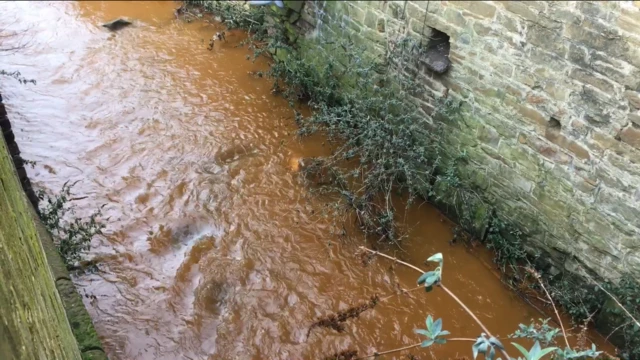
column 214, row 248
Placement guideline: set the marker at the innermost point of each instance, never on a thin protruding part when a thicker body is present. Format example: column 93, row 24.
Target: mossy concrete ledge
column 41, row 314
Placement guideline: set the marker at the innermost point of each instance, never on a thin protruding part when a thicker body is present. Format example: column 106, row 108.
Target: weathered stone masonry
column 551, row 106
column 36, row 291
column 14, row 152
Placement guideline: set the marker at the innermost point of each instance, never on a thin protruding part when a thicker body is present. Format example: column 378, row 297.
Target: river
column 214, row 247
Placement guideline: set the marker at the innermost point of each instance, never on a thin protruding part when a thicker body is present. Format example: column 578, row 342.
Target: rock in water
column 117, row 24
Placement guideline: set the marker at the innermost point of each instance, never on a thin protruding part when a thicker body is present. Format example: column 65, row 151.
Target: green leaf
column 443, row 333
column 432, row 280
column 441, row 341
column 476, row 346
column 436, row 258
column 533, row 353
column 424, row 277
column 543, row 352
column 522, row 350
column 430, row 323
column 495, row 342
column 426, row 343
column 423, row 332
column 428, row 288
column 437, row 326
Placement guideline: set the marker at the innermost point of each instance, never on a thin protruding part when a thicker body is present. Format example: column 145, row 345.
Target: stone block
column 566, row 15
column 396, row 10
column 634, row 98
column 510, row 177
column 482, row 9
column 623, row 164
column 552, row 64
column 529, row 114
column 455, row 17
column 415, row 12
column 615, row 203
column 580, row 151
column 591, row 9
column 557, row 91
column 510, row 23
column 629, row 78
column 596, row 105
column 628, row 24
column 489, row 136
column 556, row 137
column 517, row 154
column 374, row 36
column 631, row 135
column 630, row 12
column 309, row 19
column 612, row 45
column 295, row 5
column 610, row 177
column 548, row 150
column 371, row 19
column 578, row 55
column 587, row 77
column 549, row 40
column 521, row 9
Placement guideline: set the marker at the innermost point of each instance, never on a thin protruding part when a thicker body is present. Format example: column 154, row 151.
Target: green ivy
column 72, row 235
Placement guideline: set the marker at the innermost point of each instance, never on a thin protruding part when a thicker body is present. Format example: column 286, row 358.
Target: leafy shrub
column 72, row 235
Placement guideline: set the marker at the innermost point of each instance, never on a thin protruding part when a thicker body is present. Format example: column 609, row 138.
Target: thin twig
column 451, row 294
column 614, row 299
column 538, row 278
column 402, row 292
column 375, row 354
column 616, row 329
column 454, row 297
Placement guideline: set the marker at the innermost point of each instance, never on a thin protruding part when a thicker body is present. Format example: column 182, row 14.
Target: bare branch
column 451, row 294
column 613, row 298
column 537, row 276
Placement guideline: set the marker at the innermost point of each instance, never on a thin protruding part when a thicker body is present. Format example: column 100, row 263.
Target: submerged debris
column 365, row 257
column 117, row 24
column 179, row 11
column 343, row 355
column 335, row 321
column 217, row 36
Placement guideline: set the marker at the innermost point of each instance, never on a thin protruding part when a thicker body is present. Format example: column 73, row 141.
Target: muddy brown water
column 215, row 248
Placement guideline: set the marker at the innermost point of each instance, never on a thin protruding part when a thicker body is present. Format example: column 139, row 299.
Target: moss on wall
column 33, row 323
column 38, row 301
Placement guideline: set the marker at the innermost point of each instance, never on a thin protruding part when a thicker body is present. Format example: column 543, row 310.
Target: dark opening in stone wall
column 436, row 56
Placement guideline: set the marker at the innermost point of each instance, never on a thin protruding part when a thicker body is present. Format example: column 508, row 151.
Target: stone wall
column 41, row 314
column 551, row 110
column 33, row 324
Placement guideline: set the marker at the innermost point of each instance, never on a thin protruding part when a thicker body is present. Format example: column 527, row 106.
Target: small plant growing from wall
column 72, row 235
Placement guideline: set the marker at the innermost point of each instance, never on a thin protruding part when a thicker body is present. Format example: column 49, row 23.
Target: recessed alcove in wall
column 436, row 53
column 554, row 124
